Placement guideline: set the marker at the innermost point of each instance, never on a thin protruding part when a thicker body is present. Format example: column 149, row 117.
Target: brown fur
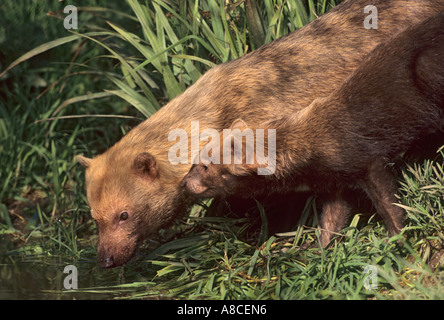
column 346, row 141
column 277, row 79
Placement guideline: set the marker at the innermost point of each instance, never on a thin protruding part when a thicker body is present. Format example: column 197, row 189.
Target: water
column 41, row 277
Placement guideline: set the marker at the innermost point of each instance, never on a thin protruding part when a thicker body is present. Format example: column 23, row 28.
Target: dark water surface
column 31, row 276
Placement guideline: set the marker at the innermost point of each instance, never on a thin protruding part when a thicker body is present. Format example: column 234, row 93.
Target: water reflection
column 42, row 277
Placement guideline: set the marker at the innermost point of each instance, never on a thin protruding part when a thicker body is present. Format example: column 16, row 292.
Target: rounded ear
column 239, row 124
column 84, row 161
column 145, row 165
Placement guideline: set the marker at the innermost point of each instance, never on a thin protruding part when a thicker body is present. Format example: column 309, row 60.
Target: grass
column 128, row 59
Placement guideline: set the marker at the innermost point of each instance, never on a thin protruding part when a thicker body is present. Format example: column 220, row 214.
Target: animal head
column 212, row 176
column 209, row 180
column 130, row 197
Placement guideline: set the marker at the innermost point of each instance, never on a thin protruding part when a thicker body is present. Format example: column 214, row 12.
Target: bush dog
column 347, row 140
column 132, row 188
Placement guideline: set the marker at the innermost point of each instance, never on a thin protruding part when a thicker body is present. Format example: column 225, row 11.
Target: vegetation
column 67, row 93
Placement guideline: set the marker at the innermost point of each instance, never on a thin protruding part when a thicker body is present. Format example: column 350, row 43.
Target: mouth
column 106, row 262
column 110, row 255
column 192, row 187
column 109, row 261
column 197, row 189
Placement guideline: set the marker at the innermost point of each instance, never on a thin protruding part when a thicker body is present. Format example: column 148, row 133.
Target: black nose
column 106, row 262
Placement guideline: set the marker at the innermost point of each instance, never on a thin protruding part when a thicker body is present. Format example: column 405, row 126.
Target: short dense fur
column 277, row 79
column 347, row 140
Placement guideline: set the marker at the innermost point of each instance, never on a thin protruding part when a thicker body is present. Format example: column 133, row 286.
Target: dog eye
column 124, row 216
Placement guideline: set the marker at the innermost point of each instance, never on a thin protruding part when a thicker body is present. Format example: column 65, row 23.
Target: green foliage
column 422, row 194
column 174, row 43
column 216, row 264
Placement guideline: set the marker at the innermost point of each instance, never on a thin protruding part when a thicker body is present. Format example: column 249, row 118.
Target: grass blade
column 45, row 47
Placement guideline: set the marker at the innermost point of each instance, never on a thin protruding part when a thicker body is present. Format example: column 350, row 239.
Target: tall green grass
column 41, row 188
column 174, row 43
